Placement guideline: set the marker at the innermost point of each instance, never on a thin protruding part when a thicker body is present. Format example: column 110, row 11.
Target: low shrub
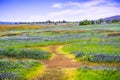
column 17, row 70
column 25, row 53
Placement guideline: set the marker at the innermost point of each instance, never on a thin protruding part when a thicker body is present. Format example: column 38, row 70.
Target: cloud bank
column 59, row 10
column 93, row 9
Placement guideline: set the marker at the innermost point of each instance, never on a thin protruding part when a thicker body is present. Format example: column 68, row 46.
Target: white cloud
column 92, row 9
column 57, row 5
column 76, row 11
column 78, row 4
column 63, row 12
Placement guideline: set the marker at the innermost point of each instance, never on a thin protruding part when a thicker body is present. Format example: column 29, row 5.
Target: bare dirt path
column 54, row 66
column 59, row 60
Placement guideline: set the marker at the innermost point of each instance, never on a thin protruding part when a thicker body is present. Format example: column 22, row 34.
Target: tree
column 48, row 21
column 100, row 21
column 108, row 21
column 64, row 21
column 85, row 22
column 115, row 20
column 92, row 22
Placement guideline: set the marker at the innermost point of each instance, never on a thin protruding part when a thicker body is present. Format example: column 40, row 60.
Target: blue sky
column 70, row 10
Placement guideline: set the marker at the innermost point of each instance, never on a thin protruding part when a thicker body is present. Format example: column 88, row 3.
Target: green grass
column 19, row 70
column 25, row 53
column 90, row 42
column 93, row 48
column 95, row 52
column 90, row 74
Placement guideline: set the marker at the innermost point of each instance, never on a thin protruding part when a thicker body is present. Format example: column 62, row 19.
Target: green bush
column 25, row 53
column 85, row 22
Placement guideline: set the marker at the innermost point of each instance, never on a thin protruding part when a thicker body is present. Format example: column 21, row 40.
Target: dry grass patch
column 114, row 34
column 19, row 27
column 10, row 34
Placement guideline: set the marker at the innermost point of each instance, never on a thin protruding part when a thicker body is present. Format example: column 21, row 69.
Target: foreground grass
column 98, row 43
column 94, row 52
column 90, row 74
column 93, row 48
column 69, row 74
column 24, row 53
column 20, row 70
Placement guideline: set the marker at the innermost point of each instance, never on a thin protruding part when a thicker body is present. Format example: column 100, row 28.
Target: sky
column 55, row 10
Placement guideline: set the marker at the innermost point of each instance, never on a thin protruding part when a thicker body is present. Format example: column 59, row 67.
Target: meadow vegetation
column 98, row 43
column 96, row 52
column 91, row 74
column 20, row 69
column 24, row 53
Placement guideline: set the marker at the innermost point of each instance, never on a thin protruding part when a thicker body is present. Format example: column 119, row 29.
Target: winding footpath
column 56, row 64
column 60, row 60
column 55, row 67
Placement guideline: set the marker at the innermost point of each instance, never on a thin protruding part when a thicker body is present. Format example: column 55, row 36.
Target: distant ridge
column 6, row 22
column 105, row 19
column 112, row 17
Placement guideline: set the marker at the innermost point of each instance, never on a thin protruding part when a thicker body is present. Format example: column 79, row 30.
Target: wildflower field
column 71, row 52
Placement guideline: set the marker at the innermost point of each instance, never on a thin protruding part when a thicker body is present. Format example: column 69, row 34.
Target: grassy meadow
column 20, row 60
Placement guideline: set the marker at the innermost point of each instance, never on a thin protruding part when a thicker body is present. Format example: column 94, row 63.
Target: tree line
column 99, row 21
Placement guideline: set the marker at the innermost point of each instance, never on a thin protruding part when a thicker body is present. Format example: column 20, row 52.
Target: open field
column 61, row 52
column 19, row 27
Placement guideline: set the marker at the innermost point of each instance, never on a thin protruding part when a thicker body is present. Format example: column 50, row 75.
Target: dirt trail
column 56, row 64
column 59, row 61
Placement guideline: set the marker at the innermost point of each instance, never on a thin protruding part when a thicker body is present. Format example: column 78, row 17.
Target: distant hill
column 105, row 19
column 1, row 22
column 112, row 17
column 6, row 22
